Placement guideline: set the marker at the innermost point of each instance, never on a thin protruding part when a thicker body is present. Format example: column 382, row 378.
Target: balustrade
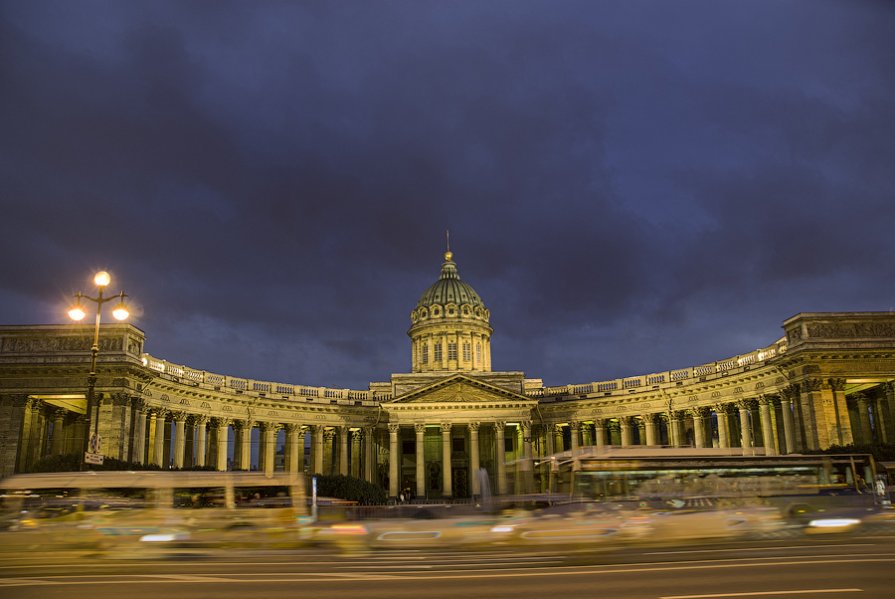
column 674, row 376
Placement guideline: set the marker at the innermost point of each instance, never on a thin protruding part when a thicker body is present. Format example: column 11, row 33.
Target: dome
column 449, row 289
column 449, row 330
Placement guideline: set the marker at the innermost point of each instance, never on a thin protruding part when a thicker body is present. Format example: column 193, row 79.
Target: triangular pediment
column 460, row 389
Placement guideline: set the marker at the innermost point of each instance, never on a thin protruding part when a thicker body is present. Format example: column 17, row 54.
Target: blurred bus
column 139, row 501
column 690, row 477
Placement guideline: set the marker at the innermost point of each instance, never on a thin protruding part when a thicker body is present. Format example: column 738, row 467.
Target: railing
column 240, row 385
column 720, row 367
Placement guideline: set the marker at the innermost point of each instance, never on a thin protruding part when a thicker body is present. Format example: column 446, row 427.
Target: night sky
column 630, row 186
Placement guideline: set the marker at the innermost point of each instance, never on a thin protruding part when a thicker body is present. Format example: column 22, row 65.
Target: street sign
column 93, row 458
column 96, row 443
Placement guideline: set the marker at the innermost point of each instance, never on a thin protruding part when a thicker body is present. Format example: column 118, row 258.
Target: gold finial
column 448, row 255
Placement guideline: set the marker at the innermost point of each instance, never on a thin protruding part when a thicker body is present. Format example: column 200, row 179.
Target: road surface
column 800, row 567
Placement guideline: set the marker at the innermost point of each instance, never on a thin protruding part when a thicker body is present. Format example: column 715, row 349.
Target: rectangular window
column 466, row 353
column 425, row 358
column 458, row 444
column 478, row 353
column 452, row 351
column 438, row 352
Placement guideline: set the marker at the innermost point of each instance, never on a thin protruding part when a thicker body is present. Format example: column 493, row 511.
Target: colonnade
column 783, row 423
column 805, row 416
column 48, row 430
column 201, row 441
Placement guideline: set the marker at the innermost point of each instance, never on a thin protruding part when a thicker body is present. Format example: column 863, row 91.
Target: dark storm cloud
column 631, row 187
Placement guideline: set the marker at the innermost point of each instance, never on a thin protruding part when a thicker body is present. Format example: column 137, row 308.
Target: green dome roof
column 449, row 289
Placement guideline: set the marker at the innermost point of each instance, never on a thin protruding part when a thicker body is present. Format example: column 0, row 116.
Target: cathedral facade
column 451, row 426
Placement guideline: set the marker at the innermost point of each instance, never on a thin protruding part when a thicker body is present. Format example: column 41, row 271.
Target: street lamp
column 92, row 444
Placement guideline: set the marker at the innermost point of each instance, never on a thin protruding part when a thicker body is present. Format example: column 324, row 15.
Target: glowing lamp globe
column 102, row 278
column 120, row 312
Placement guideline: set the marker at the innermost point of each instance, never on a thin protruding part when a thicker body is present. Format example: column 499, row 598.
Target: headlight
column 502, row 528
column 833, row 522
column 164, row 537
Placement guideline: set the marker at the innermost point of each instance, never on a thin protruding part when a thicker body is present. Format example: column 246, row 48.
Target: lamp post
column 92, row 441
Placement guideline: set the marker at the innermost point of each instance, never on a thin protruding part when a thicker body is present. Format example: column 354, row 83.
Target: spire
column 449, row 268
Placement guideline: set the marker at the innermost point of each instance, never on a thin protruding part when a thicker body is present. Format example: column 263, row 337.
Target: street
column 801, row 566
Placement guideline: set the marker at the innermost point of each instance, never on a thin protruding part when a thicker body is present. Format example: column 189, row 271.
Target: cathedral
column 451, row 425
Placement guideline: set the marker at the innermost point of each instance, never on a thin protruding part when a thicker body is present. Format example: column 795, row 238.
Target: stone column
column 158, row 455
column 587, row 438
column 764, row 408
column 882, row 419
column 674, row 421
column 263, row 437
column 699, row 415
column 527, row 472
column 575, row 430
column 166, row 429
column 798, row 423
column 394, row 459
column 58, row 445
column 369, row 460
column 649, row 424
column 558, row 440
column 474, row 459
column 500, row 458
column 865, row 428
column 776, row 425
column 745, row 429
column 40, row 427
column 600, row 432
column 889, row 395
column 293, row 451
column 189, row 439
column 624, row 423
column 151, row 429
column 29, row 431
column 842, row 435
column 138, row 452
column 420, row 430
column 179, row 438
column 318, row 449
column 269, row 432
column 343, row 450
column 549, row 438
column 789, row 438
column 330, row 451
column 221, row 428
column 245, row 444
column 446, row 489
column 356, row 445
column 201, row 445
column 723, row 435
column 806, row 390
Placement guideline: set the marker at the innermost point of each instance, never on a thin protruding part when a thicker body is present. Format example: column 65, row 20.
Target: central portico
column 468, row 418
